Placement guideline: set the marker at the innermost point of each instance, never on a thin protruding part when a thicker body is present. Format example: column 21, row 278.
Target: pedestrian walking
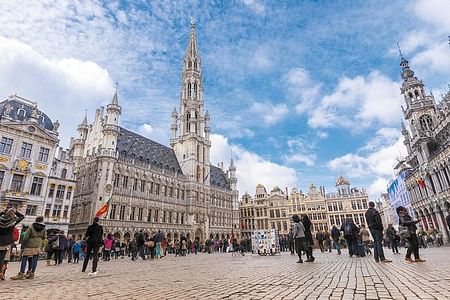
column 59, row 244
column 351, row 232
column 309, row 239
column 408, row 230
column 373, row 220
column 300, row 239
column 336, row 235
column 93, row 236
column 320, row 238
column 69, row 246
column 365, row 239
column 76, row 249
column 108, row 246
column 31, row 248
column 9, row 218
column 391, row 234
column 158, row 240
column 140, row 243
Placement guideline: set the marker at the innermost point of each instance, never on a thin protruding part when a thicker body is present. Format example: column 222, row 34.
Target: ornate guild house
column 151, row 186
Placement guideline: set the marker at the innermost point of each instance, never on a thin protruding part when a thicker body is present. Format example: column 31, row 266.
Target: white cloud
column 252, row 169
column 255, row 6
column 160, row 135
column 308, row 160
column 377, row 158
column 378, row 186
column 301, row 89
column 434, row 12
column 270, row 113
column 262, row 59
column 322, row 134
column 63, row 88
column 358, row 103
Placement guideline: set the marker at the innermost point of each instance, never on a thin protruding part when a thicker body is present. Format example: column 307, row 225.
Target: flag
column 420, row 182
column 104, row 209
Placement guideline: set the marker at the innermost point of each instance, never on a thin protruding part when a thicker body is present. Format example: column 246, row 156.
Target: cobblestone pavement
column 221, row 276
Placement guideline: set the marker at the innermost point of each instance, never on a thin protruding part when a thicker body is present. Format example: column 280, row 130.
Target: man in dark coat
column 375, row 225
column 351, row 236
column 94, row 240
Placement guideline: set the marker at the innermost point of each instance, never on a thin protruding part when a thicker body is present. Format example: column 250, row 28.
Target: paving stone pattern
column 221, row 276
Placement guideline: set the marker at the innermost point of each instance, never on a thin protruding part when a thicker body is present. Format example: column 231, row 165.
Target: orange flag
column 104, row 209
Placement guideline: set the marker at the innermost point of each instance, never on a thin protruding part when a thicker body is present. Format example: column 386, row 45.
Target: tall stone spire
column 191, row 57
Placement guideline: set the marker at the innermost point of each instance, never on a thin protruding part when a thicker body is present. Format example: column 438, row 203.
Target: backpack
column 16, row 234
column 348, row 229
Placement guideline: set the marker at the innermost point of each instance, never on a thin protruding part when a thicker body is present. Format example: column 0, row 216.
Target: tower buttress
column 111, row 126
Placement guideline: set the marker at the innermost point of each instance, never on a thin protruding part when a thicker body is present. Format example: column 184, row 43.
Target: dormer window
column 41, row 119
column 21, row 112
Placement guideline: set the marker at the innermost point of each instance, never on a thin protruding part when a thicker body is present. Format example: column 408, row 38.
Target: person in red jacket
column 9, row 218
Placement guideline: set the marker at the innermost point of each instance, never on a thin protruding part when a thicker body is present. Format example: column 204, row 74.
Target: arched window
column 198, row 152
column 411, row 97
column 189, row 89
column 189, row 64
column 426, row 123
column 195, row 64
column 64, row 173
column 417, row 94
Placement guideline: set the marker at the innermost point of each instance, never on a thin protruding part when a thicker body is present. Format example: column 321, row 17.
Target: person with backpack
column 31, row 248
column 94, row 240
column 9, row 218
column 375, row 225
column 140, row 241
column 408, row 230
column 351, row 232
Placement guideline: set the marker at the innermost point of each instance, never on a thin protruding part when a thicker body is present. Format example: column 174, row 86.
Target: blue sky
column 300, row 91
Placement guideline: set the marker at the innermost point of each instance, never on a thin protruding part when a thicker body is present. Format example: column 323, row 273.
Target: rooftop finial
column 116, row 84
column 400, row 50
column 192, row 22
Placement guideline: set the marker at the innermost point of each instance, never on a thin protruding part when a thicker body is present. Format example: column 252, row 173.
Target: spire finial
column 85, row 118
column 116, row 84
column 192, row 22
column 400, row 51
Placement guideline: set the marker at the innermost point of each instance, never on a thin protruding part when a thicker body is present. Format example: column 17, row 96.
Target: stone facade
column 274, row 210
column 28, row 165
column 384, row 207
column 346, row 203
column 428, row 145
column 153, row 187
column 398, row 195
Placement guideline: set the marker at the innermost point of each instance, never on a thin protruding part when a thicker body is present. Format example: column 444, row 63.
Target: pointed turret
column 115, row 99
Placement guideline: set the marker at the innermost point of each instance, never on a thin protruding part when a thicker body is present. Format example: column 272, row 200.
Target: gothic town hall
column 151, row 186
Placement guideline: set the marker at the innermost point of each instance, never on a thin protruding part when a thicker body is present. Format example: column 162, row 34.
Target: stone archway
column 199, row 234
column 117, row 235
column 176, row 236
column 127, row 236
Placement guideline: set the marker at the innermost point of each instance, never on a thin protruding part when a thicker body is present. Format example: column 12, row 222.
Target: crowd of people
column 57, row 246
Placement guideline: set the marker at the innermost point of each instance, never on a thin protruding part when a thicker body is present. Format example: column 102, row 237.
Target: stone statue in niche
column 7, row 110
column 56, row 125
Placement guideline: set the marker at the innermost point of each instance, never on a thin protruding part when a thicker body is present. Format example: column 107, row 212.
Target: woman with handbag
column 408, row 230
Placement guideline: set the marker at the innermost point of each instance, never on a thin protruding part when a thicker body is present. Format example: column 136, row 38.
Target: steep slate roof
column 16, row 104
column 218, row 178
column 133, row 145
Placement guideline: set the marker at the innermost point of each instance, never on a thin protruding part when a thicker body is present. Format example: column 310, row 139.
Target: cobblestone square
column 221, row 276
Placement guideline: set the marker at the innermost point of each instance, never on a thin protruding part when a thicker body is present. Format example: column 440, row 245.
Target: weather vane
column 399, row 50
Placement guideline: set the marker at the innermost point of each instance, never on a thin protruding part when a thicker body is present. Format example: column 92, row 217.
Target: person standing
column 291, row 241
column 59, row 243
column 300, row 238
column 320, row 238
column 375, row 225
column 31, row 245
column 309, row 239
column 108, row 246
column 94, row 236
column 336, row 235
column 365, row 239
column 140, row 242
column 9, row 218
column 158, row 240
column 70, row 243
column 76, row 249
column 391, row 234
column 351, row 232
column 408, row 231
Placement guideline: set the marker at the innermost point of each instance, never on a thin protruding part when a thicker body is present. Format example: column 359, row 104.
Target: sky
column 300, row 92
